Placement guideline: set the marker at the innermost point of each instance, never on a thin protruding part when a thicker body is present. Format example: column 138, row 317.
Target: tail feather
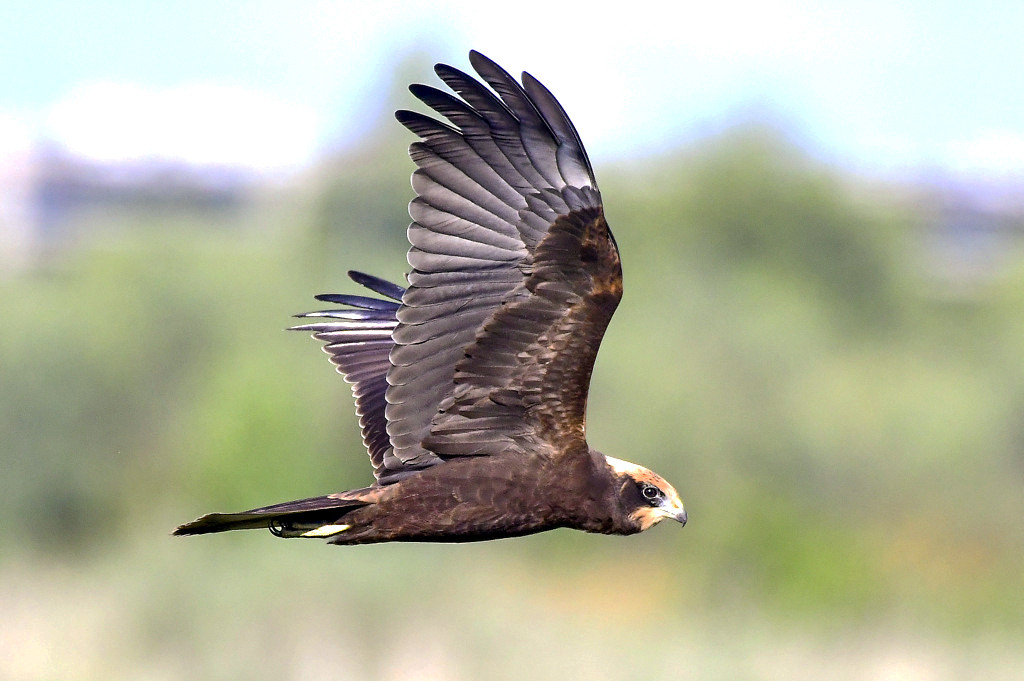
column 289, row 519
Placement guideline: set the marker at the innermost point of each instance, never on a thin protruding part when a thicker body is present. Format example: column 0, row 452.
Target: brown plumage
column 471, row 384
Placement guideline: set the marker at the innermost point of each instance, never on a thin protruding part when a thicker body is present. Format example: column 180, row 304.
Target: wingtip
column 402, row 115
column 479, row 61
column 381, row 286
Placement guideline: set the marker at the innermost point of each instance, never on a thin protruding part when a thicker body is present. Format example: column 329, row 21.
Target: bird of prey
column 471, row 383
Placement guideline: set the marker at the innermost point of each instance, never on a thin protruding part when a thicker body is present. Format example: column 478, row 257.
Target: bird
column 471, row 382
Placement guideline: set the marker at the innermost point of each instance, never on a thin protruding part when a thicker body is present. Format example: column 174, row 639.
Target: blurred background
column 821, row 216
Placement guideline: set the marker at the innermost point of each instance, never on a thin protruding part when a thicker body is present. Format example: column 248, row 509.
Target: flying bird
column 471, row 383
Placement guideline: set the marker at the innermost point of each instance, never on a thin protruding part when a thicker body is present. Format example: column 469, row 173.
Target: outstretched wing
column 358, row 340
column 515, row 275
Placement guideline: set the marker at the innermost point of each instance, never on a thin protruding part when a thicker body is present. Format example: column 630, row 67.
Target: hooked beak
column 675, row 511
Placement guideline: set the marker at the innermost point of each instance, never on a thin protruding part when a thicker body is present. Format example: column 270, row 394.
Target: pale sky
column 881, row 86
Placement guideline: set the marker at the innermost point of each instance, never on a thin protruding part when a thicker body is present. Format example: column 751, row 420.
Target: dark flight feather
column 359, row 344
column 515, row 141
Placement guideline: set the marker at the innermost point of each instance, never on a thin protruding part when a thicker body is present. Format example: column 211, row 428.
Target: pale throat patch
column 650, row 516
column 647, row 518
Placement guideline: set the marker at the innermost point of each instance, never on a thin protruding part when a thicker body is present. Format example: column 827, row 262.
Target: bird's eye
column 650, row 492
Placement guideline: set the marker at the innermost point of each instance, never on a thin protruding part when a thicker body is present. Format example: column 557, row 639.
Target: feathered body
column 471, row 384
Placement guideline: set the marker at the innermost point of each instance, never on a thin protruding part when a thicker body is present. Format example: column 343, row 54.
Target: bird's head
column 646, row 497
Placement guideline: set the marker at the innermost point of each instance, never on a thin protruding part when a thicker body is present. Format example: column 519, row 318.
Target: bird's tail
column 313, row 517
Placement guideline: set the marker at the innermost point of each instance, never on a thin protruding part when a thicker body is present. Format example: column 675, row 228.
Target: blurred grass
column 848, row 444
